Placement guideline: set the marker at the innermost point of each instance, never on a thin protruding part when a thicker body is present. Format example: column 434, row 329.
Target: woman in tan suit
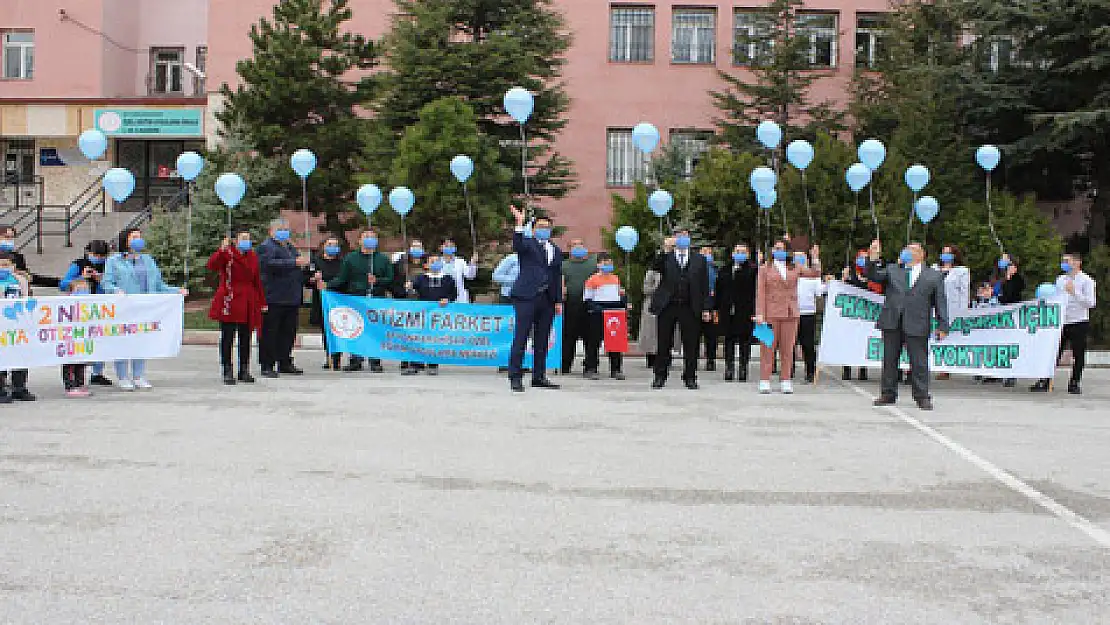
column 776, row 303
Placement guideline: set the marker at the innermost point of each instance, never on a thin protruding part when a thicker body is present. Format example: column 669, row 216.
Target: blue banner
column 477, row 335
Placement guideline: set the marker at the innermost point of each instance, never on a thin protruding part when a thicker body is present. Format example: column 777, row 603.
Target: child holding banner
column 602, row 292
column 13, row 286
column 432, row 286
column 73, row 374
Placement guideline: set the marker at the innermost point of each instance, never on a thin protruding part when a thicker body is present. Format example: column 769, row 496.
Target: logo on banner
column 19, row 309
column 345, row 323
column 110, row 121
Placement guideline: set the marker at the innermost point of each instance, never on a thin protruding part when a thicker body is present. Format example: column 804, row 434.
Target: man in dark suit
column 735, row 300
column 914, row 297
column 537, row 296
column 682, row 298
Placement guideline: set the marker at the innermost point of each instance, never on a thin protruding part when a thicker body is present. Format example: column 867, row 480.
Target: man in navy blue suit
column 537, row 296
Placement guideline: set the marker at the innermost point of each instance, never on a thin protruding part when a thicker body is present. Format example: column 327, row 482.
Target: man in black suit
column 682, row 298
column 914, row 295
column 537, row 296
column 736, row 283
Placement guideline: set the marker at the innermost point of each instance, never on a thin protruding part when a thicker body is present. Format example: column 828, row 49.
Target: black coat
column 282, row 279
column 328, row 268
column 1012, row 290
column 669, row 270
column 736, row 297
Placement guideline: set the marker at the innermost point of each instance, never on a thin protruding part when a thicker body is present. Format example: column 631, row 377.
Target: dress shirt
column 781, row 266
column 1078, row 307
column 915, row 273
column 683, row 257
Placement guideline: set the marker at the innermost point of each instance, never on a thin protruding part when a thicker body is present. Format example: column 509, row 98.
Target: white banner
column 1014, row 341
column 52, row 331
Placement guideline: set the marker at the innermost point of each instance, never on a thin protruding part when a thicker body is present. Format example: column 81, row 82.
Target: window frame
column 155, row 62
column 200, row 85
column 695, row 42
column 26, row 52
column 753, row 36
column 874, row 35
column 622, row 171
column 814, row 32
column 680, row 138
column 624, row 53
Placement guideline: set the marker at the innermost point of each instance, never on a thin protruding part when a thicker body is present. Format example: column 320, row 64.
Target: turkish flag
column 616, row 331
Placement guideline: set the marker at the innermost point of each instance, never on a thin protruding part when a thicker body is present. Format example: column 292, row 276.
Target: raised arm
column 270, row 263
column 876, row 272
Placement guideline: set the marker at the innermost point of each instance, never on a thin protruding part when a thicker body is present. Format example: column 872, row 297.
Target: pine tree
column 303, row 88
column 477, row 50
column 780, row 92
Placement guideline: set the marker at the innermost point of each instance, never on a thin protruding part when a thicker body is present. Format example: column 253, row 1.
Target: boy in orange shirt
column 602, row 292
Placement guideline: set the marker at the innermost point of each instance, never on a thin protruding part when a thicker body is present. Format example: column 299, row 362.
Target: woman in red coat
column 238, row 303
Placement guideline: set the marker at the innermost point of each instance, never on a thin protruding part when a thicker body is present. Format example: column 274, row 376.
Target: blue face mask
column 244, row 245
column 682, row 242
column 370, row 243
column 7, row 246
column 740, row 257
column 5, row 274
column 779, row 254
column 708, row 257
column 861, row 262
column 417, row 252
column 606, row 268
column 437, row 266
column 579, row 252
column 947, row 258
column 800, row 261
column 331, row 250
column 96, row 260
column 905, row 257
column 543, row 234
column 1003, row 263
column 137, row 245
column 281, row 235
column 1065, row 267
column 449, row 250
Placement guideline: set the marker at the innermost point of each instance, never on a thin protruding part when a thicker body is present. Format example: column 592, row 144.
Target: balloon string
column 405, row 238
column 909, row 224
column 990, row 217
column 809, row 213
column 524, row 168
column 851, row 234
column 304, row 204
column 874, row 217
column 470, row 214
column 188, row 230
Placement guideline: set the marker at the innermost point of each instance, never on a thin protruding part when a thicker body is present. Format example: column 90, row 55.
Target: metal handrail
column 146, row 215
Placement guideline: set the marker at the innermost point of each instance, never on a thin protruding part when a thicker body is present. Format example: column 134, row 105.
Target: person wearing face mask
column 809, row 291
column 13, row 286
column 73, row 373
column 1008, row 287
column 364, row 272
column 90, row 268
column 915, row 295
column 708, row 330
column 282, row 268
column 602, row 292
column 735, row 291
column 776, row 303
column 856, row 276
column 432, row 285
column 576, row 321
column 957, row 285
column 406, row 267
column 458, row 268
column 238, row 304
column 681, row 300
column 133, row 272
column 1079, row 289
column 537, row 297
column 7, row 245
column 324, row 266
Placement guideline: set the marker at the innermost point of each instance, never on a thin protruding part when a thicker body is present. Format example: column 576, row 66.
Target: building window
column 19, row 161
column 820, row 29
column 693, row 36
column 199, row 87
column 632, row 34
column 166, row 71
column 18, row 54
column 624, row 164
column 1001, row 53
column 871, row 29
column 752, row 37
column 690, row 145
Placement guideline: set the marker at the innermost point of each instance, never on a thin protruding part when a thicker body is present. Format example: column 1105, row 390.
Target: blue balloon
column 402, row 199
column 189, row 165
column 519, row 104
column 1046, row 291
column 462, row 167
column 303, row 162
column 627, row 238
column 872, row 153
column 917, row 176
column 660, row 202
column 799, row 153
column 767, row 200
column 119, row 183
column 645, row 137
column 230, row 188
column 369, row 198
column 93, row 144
column 927, row 208
column 988, row 157
column 762, row 179
column 769, row 134
column 858, row 177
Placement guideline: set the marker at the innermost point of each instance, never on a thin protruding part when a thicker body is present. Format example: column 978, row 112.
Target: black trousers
column 1075, row 334
column 228, row 332
column 917, row 347
column 279, row 333
column 576, row 327
column 19, row 379
column 709, row 339
column 73, row 376
column 807, row 338
column 689, row 326
column 595, row 337
column 739, row 337
column 534, row 317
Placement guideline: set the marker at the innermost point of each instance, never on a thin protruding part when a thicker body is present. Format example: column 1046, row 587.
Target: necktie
column 682, row 260
column 909, row 279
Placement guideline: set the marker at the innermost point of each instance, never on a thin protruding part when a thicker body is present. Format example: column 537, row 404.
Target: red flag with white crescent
column 616, row 331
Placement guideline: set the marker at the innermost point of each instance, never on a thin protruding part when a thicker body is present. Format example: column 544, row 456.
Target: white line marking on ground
column 1096, row 533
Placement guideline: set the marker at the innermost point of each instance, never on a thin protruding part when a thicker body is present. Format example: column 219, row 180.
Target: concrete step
column 56, row 257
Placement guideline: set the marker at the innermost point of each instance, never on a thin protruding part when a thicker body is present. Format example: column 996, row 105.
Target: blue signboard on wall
column 49, row 157
column 184, row 122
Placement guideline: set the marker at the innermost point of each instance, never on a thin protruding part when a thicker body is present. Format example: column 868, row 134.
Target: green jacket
column 575, row 274
column 353, row 272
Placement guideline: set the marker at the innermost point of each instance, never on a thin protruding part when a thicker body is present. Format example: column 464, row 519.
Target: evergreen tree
column 302, row 88
column 780, row 92
column 477, row 50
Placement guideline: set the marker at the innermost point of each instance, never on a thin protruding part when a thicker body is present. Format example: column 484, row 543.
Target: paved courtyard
column 342, row 498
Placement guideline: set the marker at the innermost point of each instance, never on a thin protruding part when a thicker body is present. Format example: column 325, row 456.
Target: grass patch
column 198, row 320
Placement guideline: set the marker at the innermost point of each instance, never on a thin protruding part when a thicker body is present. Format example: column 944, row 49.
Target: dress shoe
column 742, row 374
column 884, row 400
column 658, row 382
column 290, row 370
column 544, row 383
column 925, row 404
column 5, row 398
column 270, row 373
column 410, row 371
column 616, row 375
column 22, row 394
column 591, row 375
column 691, row 383
column 517, row 385
column 245, row 377
column 376, row 368
column 1040, row 387
column 353, row 367
column 229, row 377
column 1009, row 383
column 100, row 380
column 1073, row 388
column 730, row 373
